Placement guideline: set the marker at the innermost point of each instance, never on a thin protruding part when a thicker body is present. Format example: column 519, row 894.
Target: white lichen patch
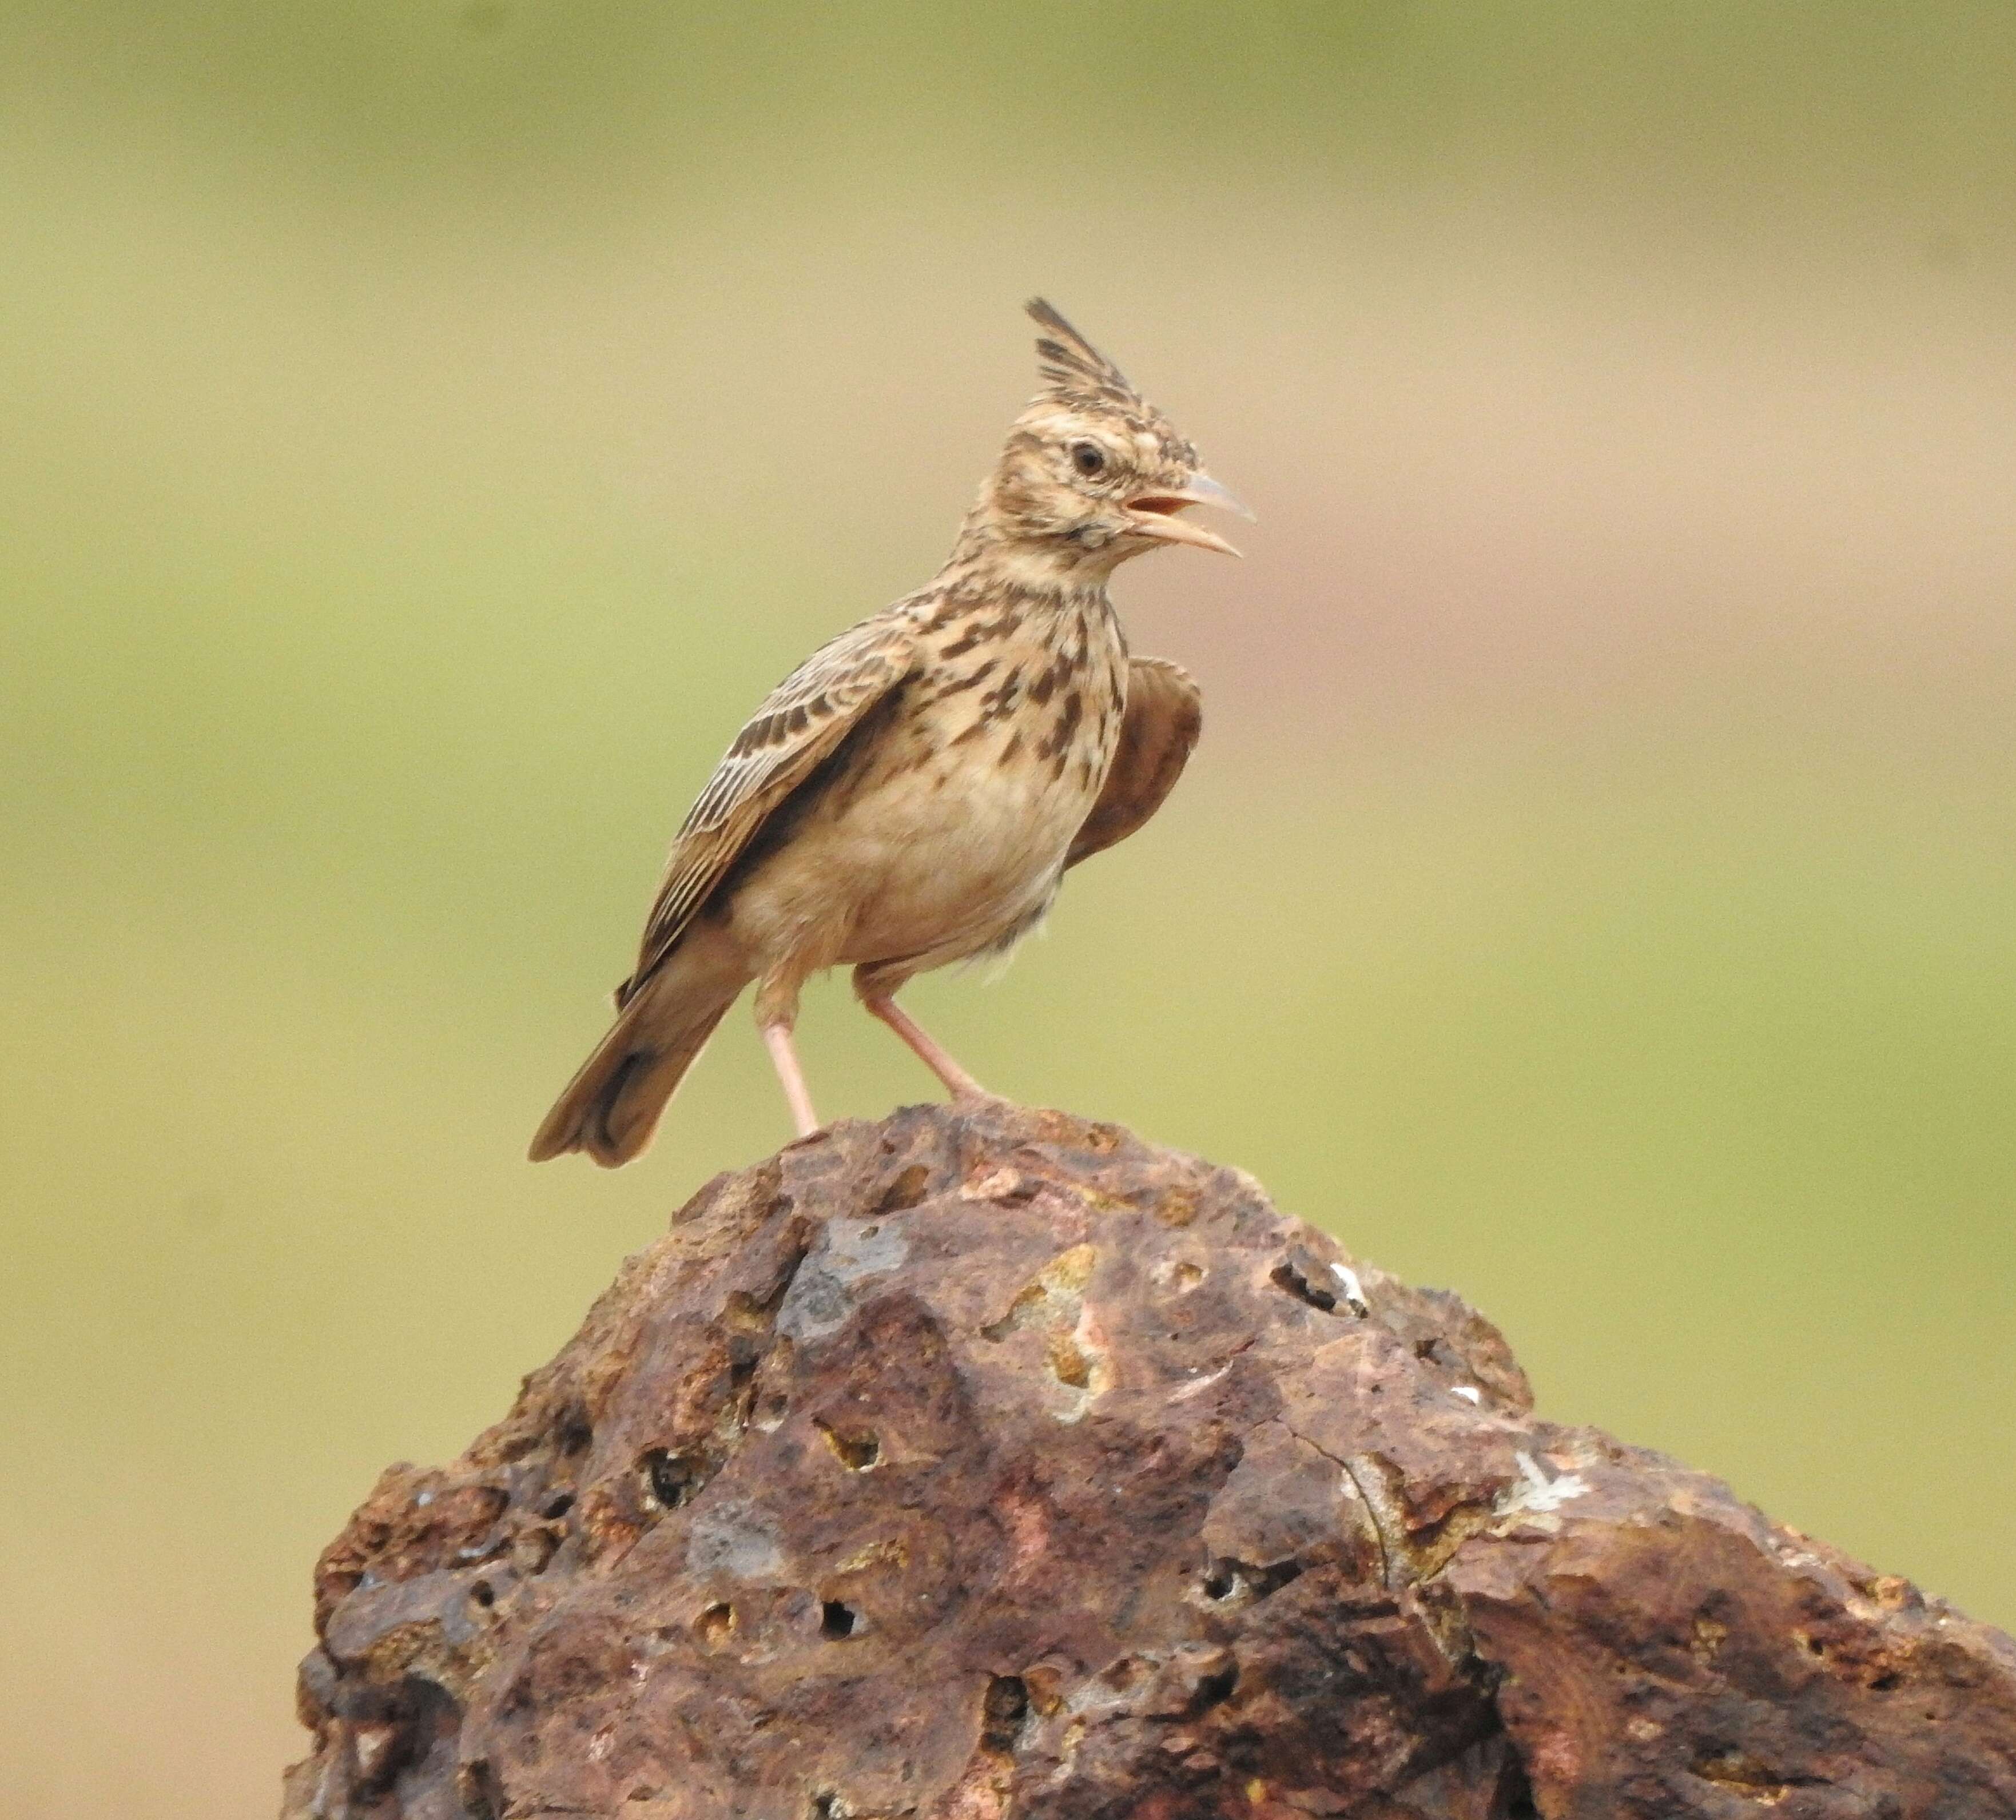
column 822, row 1295
column 736, row 1539
column 1535, row 1492
column 1196, row 1384
column 1354, row 1291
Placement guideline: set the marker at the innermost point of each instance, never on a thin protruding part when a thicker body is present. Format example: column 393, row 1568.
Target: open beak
column 1155, row 515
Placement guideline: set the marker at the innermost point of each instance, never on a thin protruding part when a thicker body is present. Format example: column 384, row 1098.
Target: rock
column 990, row 1463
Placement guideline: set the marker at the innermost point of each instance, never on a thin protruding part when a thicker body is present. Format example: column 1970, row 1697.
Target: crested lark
column 911, row 794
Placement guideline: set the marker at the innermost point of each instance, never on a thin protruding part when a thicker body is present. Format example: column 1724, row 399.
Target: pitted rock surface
column 992, row 1462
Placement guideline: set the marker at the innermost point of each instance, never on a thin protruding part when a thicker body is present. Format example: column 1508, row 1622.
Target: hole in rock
column 477, row 1783
column 1186, row 1276
column 1883, row 1683
column 836, row 1620
column 1214, row 1689
column 1286, row 1276
column 1221, row 1582
column 483, row 1593
column 1068, row 1364
column 575, row 1434
column 670, row 1478
column 856, row 1452
column 906, row 1190
column 715, row 1624
column 1121, row 1673
column 1515, row 1799
column 1273, row 1577
column 1001, row 1712
column 557, row 1506
column 532, row 1550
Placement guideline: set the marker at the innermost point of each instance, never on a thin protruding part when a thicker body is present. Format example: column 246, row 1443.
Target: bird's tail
column 611, row 1107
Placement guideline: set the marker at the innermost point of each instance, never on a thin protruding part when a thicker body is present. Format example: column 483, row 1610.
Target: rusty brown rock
column 996, row 1463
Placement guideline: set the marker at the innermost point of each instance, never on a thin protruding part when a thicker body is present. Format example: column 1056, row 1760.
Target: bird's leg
column 776, row 1014
column 784, row 1058
column 880, row 1001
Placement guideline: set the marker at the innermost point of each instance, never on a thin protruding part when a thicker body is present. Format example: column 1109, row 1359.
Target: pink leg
column 959, row 1084
column 784, row 1058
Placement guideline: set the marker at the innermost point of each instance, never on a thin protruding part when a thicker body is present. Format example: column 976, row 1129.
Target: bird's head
column 1092, row 472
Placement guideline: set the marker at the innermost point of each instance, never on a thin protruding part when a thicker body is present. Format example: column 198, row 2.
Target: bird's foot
column 972, row 1097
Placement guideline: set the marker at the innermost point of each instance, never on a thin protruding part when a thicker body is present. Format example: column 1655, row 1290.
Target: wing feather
column 799, row 723
column 1164, row 717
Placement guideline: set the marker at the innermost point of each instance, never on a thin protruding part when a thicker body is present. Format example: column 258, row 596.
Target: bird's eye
column 1087, row 457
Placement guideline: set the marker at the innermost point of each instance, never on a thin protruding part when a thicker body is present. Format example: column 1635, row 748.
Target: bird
column 911, row 795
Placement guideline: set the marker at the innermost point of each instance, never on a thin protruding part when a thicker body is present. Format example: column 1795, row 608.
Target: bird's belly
column 964, row 867
column 935, row 863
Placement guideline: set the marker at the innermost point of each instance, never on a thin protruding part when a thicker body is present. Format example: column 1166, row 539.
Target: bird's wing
column 801, row 723
column 1164, row 714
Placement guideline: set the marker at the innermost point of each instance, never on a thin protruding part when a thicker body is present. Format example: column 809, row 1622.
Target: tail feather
column 612, row 1106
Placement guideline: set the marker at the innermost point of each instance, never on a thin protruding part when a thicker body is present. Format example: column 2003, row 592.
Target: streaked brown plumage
column 911, row 794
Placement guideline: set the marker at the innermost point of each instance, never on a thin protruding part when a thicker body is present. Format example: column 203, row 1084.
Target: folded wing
column 1164, row 714
column 801, row 724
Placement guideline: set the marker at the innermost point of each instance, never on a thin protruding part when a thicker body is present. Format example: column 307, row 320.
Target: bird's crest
column 1071, row 368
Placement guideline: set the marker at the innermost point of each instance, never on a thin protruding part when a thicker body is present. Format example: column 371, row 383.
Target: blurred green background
column 431, row 427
